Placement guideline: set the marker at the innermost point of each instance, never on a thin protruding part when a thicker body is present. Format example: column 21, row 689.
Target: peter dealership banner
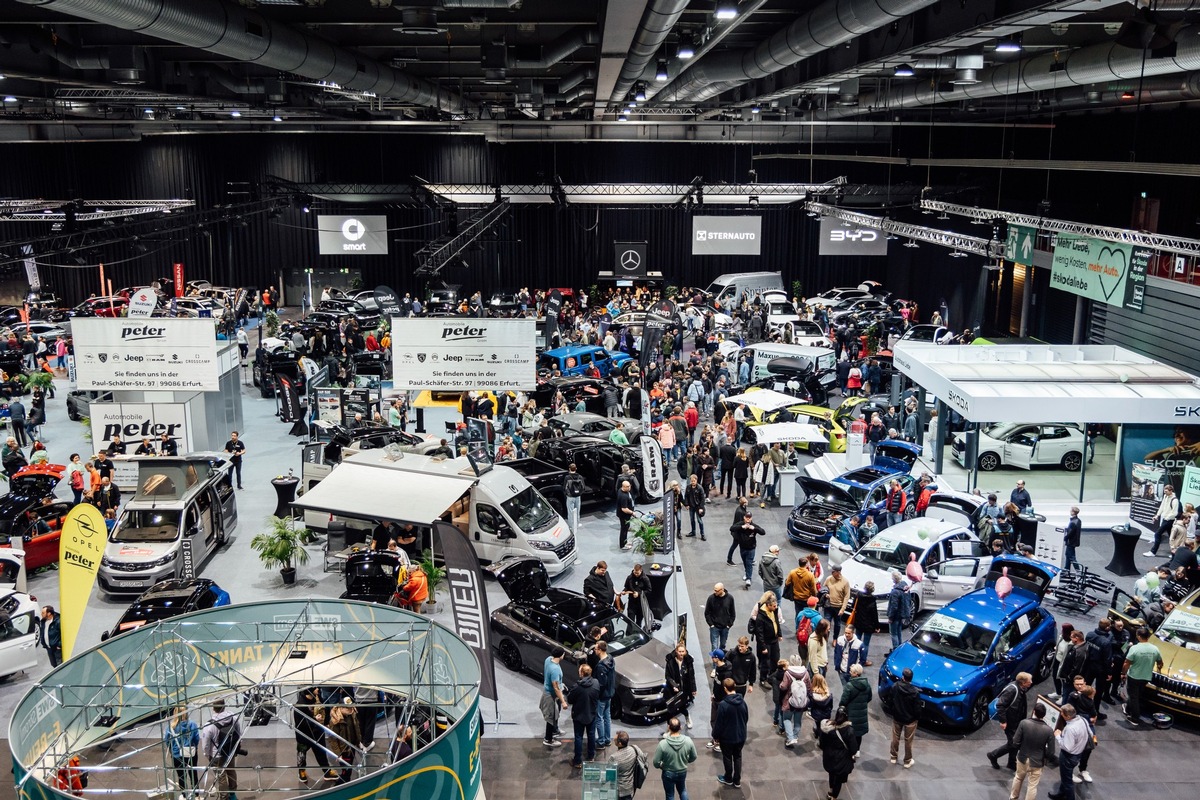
column 162, row 354
column 1107, row 272
column 80, row 549
column 461, row 354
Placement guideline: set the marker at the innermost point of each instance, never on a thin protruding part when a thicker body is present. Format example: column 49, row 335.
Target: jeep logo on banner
column 727, row 236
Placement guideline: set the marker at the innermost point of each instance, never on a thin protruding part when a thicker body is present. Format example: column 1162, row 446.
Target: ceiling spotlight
column 726, row 9
column 756, row 109
column 903, row 71
column 632, row 104
column 2, row 77
column 660, row 72
column 306, row 209
column 10, row 99
column 943, row 215
column 687, row 47
column 622, row 117
column 235, row 113
column 1012, row 44
column 891, row 237
column 640, row 95
column 958, row 254
column 1126, row 95
column 277, row 118
column 911, row 243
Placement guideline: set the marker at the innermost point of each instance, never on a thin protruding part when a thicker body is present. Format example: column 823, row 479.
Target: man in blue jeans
column 584, row 697
column 746, row 534
column 605, row 675
column 719, row 615
column 1072, row 740
column 673, row 754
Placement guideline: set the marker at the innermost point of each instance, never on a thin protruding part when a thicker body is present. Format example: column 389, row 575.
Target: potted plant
column 434, row 575
column 271, row 324
column 281, row 545
column 647, row 536
column 36, row 380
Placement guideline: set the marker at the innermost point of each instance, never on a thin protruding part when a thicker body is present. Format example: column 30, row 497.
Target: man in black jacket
column 1035, row 743
column 768, row 633
column 730, row 731
column 904, row 704
column 744, row 664
column 719, row 614
column 584, row 696
column 746, row 534
column 598, row 586
column 695, row 498
column 728, row 454
column 1011, row 708
column 626, row 505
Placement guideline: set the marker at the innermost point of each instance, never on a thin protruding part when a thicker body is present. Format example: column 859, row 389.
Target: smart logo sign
column 357, row 235
column 838, row 240
column 165, row 355
column 1107, row 272
column 495, row 354
column 726, row 236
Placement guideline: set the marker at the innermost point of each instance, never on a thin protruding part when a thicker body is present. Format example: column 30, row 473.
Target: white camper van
column 498, row 510
column 733, row 286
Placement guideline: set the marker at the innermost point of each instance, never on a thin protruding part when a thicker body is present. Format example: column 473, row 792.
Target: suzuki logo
column 630, row 260
column 353, row 230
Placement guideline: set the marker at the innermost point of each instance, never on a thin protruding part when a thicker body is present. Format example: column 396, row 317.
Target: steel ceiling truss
column 1155, row 241
column 433, row 257
column 957, row 241
column 156, row 228
column 599, row 193
column 59, row 210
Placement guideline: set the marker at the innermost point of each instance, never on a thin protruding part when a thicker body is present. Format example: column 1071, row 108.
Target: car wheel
column 910, row 511
column 1045, row 664
column 988, row 462
column 615, row 709
column 510, row 656
column 817, row 449
column 979, row 710
column 1072, row 461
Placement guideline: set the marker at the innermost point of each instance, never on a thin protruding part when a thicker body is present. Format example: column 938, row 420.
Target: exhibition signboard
column 156, row 354
column 135, row 421
column 458, row 354
column 838, row 240
column 347, row 236
column 1107, row 272
column 727, row 236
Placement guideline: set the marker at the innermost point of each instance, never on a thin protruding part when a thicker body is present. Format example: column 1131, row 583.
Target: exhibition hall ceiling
column 583, row 70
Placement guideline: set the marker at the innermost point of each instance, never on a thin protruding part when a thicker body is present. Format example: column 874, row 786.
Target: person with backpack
column 902, row 701
column 839, row 745
column 795, row 693
column 183, row 741
column 604, row 672
column 730, row 730
column 673, row 754
column 899, row 608
column 220, row 741
column 807, row 622
column 800, row 586
column 770, row 571
column 632, row 766
column 573, row 489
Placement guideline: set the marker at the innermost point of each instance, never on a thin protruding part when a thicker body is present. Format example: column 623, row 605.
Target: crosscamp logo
column 141, row 333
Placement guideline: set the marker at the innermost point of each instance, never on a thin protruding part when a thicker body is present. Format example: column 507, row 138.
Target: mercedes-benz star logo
column 630, row 260
column 353, row 230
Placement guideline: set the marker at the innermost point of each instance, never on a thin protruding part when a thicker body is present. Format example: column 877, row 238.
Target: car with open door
column 952, row 557
column 859, row 492
column 837, row 298
column 1175, row 687
column 31, row 515
column 1025, row 445
column 966, row 652
column 540, row 617
column 166, row 599
column 576, row 422
column 19, row 615
column 574, row 388
column 598, row 462
column 372, row 575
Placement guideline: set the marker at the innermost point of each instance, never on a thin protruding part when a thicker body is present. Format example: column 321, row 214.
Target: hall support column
column 1026, row 301
column 1080, row 316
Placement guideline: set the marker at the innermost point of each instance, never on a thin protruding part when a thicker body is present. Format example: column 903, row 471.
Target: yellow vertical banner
column 80, row 549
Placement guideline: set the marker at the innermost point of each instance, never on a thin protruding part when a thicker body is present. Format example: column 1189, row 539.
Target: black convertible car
column 540, row 618
column 598, row 461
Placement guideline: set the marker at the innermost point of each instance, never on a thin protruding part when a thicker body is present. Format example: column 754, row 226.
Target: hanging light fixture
column 756, row 109
column 903, row 71
column 958, row 254
column 660, row 72
column 687, row 46
column 622, row 117
column 1009, row 44
column 640, row 96
column 911, row 243
column 726, row 9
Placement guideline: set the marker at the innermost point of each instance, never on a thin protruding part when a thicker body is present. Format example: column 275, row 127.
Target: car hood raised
column 823, row 491
column 643, row 667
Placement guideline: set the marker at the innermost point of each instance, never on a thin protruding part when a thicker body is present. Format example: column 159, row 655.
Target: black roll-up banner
column 553, row 304
column 669, row 527
column 289, row 398
column 468, row 601
column 388, row 301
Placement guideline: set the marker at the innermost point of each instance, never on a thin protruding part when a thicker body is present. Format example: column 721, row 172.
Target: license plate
column 129, row 584
column 1169, row 700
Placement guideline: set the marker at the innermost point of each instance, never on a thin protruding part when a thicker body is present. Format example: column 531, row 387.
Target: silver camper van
column 732, row 287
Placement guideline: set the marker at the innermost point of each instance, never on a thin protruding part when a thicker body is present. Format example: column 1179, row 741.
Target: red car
column 31, row 516
column 100, row 307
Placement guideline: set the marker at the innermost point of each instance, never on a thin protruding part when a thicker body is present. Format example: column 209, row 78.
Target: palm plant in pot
column 648, row 535
column 434, row 576
column 281, row 545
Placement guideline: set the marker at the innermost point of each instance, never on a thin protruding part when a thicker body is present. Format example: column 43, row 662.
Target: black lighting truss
column 438, row 253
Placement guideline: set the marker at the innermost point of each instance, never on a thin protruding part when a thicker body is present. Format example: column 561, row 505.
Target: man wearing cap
column 721, row 669
column 746, row 535
column 771, row 571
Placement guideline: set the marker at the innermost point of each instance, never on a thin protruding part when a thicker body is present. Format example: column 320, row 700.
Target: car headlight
column 162, row 562
column 539, row 544
column 941, row 692
column 105, row 562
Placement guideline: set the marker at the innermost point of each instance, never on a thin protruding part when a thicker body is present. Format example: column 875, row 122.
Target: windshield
column 529, row 510
column 143, row 614
column 781, row 308
column 1181, row 629
column 621, row 634
column 954, row 638
column 147, row 526
column 548, row 362
column 884, row 552
column 807, row 328
column 715, row 289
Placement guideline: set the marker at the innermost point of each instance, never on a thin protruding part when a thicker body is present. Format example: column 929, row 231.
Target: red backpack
column 804, row 630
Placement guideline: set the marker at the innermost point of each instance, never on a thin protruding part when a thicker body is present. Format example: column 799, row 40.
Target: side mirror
column 1004, row 657
column 931, row 574
column 505, row 532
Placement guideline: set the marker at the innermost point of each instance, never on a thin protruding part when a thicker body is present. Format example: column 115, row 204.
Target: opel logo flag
column 80, row 549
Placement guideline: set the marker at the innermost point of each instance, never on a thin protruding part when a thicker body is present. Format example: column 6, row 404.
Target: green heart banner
column 1107, row 272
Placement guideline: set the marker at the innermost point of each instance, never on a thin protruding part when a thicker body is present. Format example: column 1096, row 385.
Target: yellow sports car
column 834, row 421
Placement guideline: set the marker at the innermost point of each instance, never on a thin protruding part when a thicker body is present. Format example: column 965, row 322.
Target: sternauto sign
column 154, row 354
column 734, row 236
column 458, row 355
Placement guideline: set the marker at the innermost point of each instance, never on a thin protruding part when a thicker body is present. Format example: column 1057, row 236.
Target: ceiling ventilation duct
column 494, row 60
column 244, row 35
column 658, row 19
column 833, row 23
column 562, row 47
column 508, row 4
column 127, row 66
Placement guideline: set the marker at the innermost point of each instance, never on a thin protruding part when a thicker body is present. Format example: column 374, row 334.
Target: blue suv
column 576, row 358
column 966, row 652
column 858, row 492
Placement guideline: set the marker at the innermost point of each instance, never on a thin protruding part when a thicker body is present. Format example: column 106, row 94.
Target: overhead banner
column 80, row 549
column 1106, row 272
column 137, row 421
column 837, row 240
column 388, row 302
column 158, row 354
column 460, row 354
column 143, row 303
column 177, row 279
column 31, row 269
column 468, row 601
column 629, row 259
column 358, row 236
column 652, row 466
column 727, row 236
